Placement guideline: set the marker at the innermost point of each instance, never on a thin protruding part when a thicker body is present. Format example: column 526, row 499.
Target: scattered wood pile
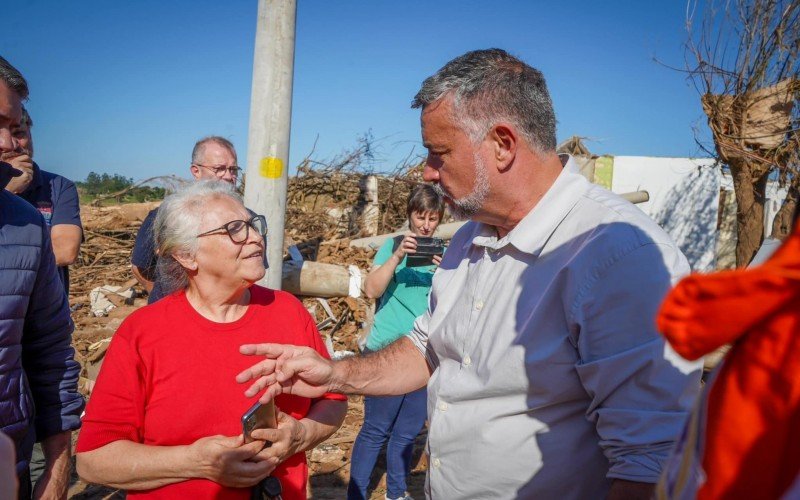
column 323, row 208
column 326, row 202
column 109, row 234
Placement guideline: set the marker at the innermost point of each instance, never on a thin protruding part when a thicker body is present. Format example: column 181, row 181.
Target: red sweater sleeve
column 115, row 409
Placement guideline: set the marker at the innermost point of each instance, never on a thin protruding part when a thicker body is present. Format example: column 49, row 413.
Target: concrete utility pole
column 270, row 123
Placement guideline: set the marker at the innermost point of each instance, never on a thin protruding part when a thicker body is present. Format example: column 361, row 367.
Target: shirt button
column 436, row 462
column 479, row 305
column 443, row 406
column 467, row 360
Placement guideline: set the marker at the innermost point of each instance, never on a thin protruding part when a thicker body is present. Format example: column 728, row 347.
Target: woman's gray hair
column 177, row 225
column 490, row 86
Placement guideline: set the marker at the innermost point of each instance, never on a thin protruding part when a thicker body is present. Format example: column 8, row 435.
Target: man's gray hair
column 27, row 121
column 490, row 86
column 200, row 147
column 177, row 225
column 13, row 78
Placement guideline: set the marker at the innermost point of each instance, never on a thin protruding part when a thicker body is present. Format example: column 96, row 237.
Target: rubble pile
column 109, row 234
column 325, row 202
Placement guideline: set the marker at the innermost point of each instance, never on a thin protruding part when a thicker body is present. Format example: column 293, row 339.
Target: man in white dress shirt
column 546, row 377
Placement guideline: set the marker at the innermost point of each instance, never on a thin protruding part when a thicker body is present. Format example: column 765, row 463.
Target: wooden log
column 370, row 216
column 445, row 231
column 316, row 279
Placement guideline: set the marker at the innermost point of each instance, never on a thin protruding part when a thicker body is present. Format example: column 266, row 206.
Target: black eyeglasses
column 239, row 230
column 219, row 170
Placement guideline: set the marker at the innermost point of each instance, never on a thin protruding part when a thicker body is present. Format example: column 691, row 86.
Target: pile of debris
column 109, row 234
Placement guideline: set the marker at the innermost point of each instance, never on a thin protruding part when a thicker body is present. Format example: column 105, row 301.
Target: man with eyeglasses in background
column 213, row 158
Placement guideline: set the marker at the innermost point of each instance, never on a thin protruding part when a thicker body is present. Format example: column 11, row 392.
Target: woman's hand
column 288, row 439
column 437, row 260
column 378, row 279
column 408, row 245
column 229, row 461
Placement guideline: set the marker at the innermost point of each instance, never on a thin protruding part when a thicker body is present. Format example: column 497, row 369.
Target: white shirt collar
column 531, row 233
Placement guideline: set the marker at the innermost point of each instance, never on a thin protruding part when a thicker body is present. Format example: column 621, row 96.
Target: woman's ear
column 187, row 261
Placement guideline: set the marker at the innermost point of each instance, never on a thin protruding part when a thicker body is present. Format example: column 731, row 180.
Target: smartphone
column 426, row 248
column 259, row 416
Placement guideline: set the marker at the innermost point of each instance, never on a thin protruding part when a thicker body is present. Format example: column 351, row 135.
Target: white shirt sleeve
column 640, row 390
column 420, row 331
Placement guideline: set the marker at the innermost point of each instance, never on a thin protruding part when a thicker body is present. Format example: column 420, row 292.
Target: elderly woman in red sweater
column 164, row 419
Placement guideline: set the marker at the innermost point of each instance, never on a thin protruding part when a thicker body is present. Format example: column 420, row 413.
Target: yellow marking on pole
column 604, row 171
column 271, row 167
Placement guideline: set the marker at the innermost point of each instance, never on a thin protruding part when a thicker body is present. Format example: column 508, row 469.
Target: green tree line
column 97, row 185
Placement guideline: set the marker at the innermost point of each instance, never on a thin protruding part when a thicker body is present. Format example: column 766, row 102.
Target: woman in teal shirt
column 403, row 293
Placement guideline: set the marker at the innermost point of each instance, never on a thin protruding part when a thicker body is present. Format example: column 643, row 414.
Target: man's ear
column 504, row 143
column 187, row 261
column 195, row 171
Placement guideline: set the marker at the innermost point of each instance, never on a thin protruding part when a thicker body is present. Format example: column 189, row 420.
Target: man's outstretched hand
column 287, row 369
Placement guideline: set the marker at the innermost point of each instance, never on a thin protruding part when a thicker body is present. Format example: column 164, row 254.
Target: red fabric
column 753, row 416
column 168, row 379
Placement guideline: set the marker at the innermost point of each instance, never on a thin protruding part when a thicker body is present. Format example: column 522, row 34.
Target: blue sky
column 127, row 87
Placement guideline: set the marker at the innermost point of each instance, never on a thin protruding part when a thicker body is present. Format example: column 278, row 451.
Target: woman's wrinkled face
column 218, row 257
column 424, row 223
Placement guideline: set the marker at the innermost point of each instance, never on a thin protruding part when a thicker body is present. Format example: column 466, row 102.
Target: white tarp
column 684, row 200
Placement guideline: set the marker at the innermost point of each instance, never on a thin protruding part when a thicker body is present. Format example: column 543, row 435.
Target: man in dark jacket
column 55, row 196
column 39, row 399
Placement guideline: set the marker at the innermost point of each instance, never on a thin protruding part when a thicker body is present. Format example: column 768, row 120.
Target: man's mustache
column 13, row 154
column 440, row 191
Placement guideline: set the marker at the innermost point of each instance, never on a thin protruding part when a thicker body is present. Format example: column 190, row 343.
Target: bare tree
column 742, row 56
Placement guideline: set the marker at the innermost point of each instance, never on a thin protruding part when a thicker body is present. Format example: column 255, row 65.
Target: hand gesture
column 229, row 461
column 287, row 439
column 288, row 369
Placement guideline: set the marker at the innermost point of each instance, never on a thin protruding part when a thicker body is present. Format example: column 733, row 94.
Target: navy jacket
column 144, row 256
column 38, row 373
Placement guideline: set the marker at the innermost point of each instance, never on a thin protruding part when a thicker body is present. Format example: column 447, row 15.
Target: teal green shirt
column 405, row 298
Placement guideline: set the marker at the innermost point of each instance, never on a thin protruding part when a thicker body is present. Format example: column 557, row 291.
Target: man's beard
column 467, row 206
column 19, row 151
column 8, row 155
